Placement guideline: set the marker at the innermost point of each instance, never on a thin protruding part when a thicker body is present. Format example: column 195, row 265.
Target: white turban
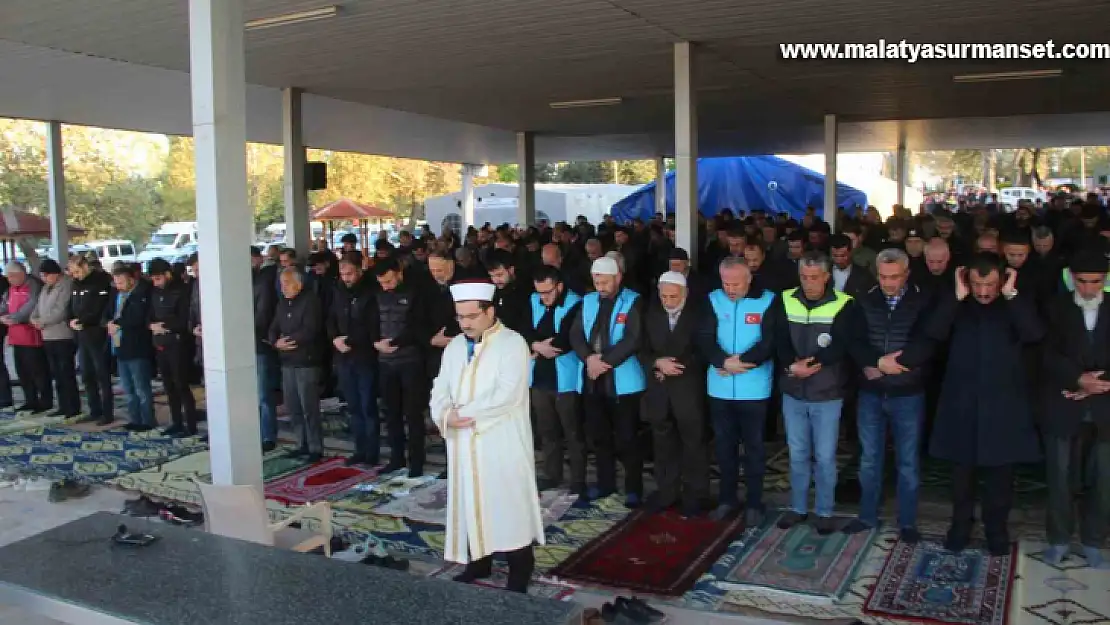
column 673, row 277
column 473, row 291
column 605, row 266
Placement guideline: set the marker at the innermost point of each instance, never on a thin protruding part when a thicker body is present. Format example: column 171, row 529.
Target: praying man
column 480, row 404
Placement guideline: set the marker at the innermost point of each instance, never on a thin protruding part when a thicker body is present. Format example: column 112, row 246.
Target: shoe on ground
column 353, row 460
column 633, row 501
column 393, row 466
column 956, row 541
column 999, row 547
column 67, row 489
column 639, row 610
column 105, row 420
column 471, row 574
column 416, row 472
column 86, row 419
column 909, row 535
column 313, row 458
column 137, row 427
column 825, row 525
column 142, row 507
column 789, row 519
column 612, row 614
column 855, row 526
column 753, row 517
column 172, row 430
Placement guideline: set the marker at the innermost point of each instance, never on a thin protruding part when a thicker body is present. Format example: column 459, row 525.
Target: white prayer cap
column 605, row 266
column 473, row 291
column 673, row 277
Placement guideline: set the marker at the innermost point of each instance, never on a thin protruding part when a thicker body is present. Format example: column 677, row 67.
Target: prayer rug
column 799, row 560
column 661, row 553
column 317, row 482
column 429, row 504
column 12, row 422
column 536, row 588
column 926, row 582
column 58, row 453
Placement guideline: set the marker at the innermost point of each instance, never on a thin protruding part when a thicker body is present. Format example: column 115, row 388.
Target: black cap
column 1089, row 260
column 256, row 252
column 50, row 266
column 677, row 253
column 913, row 234
column 159, row 266
column 348, row 238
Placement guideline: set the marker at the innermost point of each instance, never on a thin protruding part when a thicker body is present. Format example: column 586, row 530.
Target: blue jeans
column 360, row 389
column 135, row 376
column 267, row 411
column 905, row 416
column 812, row 429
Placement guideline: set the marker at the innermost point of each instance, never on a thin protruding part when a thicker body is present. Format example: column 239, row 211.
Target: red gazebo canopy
column 345, row 208
column 24, row 224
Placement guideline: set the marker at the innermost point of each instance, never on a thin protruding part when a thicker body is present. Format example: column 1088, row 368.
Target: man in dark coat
column 169, row 324
column 674, row 401
column 983, row 419
column 1076, row 393
column 848, row 277
column 353, row 326
column 295, row 333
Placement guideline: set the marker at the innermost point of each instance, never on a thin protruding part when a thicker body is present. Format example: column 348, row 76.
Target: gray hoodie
column 52, row 311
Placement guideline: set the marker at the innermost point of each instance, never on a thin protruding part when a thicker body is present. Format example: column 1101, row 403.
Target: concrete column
column 900, row 167
column 298, row 232
column 526, row 167
column 987, row 158
column 686, row 150
column 467, row 199
column 225, row 229
column 55, row 167
column 661, row 186
column 829, row 208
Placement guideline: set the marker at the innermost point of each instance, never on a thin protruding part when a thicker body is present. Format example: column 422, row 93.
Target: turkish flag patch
column 622, row 317
column 753, row 318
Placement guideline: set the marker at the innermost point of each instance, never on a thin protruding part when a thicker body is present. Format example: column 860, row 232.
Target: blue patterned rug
column 58, row 453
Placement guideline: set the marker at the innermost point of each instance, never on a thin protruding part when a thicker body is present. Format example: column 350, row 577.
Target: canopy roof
column 16, row 224
column 345, row 208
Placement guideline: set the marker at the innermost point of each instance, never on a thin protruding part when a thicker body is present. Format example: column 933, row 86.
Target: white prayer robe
column 492, row 501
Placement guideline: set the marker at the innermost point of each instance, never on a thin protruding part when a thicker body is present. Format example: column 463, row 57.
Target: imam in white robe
column 492, row 501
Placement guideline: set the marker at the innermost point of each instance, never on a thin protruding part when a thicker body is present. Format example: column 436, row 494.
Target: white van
column 110, row 251
column 1008, row 197
column 169, row 239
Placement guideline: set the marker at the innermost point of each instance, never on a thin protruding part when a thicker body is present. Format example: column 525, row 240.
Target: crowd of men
column 979, row 337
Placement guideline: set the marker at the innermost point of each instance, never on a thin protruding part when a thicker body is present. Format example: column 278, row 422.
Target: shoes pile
column 625, row 611
column 67, row 489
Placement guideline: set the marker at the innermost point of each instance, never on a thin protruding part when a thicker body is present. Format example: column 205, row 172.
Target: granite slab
column 189, row 577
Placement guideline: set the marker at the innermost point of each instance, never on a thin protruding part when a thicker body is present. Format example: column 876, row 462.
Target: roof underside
column 499, row 63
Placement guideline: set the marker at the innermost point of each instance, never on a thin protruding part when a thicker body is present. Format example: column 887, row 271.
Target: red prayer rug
column 317, row 482
column 926, row 582
column 661, row 553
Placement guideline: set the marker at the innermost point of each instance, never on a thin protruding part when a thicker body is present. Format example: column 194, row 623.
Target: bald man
column 938, row 276
column 573, row 275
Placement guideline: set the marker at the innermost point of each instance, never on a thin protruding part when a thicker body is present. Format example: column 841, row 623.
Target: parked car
column 111, row 251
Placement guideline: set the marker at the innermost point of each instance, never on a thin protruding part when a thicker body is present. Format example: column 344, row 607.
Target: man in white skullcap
column 480, row 404
column 674, row 401
column 606, row 336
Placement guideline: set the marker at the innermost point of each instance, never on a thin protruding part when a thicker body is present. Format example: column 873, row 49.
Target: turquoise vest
column 568, row 367
column 628, row 377
column 738, row 330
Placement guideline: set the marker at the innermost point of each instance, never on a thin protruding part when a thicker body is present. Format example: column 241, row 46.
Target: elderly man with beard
column 1075, row 393
column 675, row 396
column 984, row 423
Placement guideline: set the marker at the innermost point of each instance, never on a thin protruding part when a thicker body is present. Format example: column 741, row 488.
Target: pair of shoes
column 472, row 573
column 626, row 610
column 387, row 562
column 790, row 518
column 67, row 489
column 141, row 507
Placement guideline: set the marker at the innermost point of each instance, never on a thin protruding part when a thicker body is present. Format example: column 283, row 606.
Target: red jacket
column 22, row 334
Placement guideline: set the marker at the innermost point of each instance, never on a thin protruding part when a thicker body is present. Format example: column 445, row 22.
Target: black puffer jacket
column 880, row 331
column 89, row 299
column 169, row 305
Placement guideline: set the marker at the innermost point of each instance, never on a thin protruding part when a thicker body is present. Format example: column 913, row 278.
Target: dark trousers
column 174, row 363
column 6, row 400
column 997, row 499
column 560, row 426
column 96, row 374
column 360, row 390
column 403, row 387
column 34, row 377
column 522, row 562
column 681, row 455
column 301, row 387
column 60, row 356
column 612, row 425
column 1062, row 455
column 736, row 422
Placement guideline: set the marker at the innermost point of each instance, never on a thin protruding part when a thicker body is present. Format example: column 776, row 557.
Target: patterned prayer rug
column 537, row 588
column 58, row 453
column 12, row 422
column 926, row 582
column 317, row 482
column 429, row 504
column 799, row 560
column 662, row 553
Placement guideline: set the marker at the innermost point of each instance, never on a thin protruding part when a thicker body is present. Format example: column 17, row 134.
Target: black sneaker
column 753, row 517
column 825, row 525
column 638, row 609
column 67, row 489
column 855, row 526
column 172, row 430
column 789, row 519
column 909, row 535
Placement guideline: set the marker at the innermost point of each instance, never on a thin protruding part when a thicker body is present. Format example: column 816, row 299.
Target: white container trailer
column 497, row 204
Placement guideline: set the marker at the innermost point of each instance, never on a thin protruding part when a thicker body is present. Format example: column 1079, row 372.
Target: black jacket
column 683, row 393
column 90, row 297
column 134, row 321
column 169, row 305
column 859, row 281
column 440, row 314
column 265, row 303
column 513, row 306
column 1069, row 352
column 301, row 320
column 354, row 314
column 880, row 331
column 403, row 317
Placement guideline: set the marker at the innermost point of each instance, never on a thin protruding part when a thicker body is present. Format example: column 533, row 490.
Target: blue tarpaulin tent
column 745, row 183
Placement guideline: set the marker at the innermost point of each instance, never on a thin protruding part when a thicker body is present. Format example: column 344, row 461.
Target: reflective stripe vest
column 628, row 376
column 568, row 367
column 739, row 328
column 1069, row 281
column 810, row 330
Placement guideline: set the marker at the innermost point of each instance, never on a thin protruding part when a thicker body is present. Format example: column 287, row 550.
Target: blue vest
column 568, row 367
column 738, row 329
column 628, row 377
